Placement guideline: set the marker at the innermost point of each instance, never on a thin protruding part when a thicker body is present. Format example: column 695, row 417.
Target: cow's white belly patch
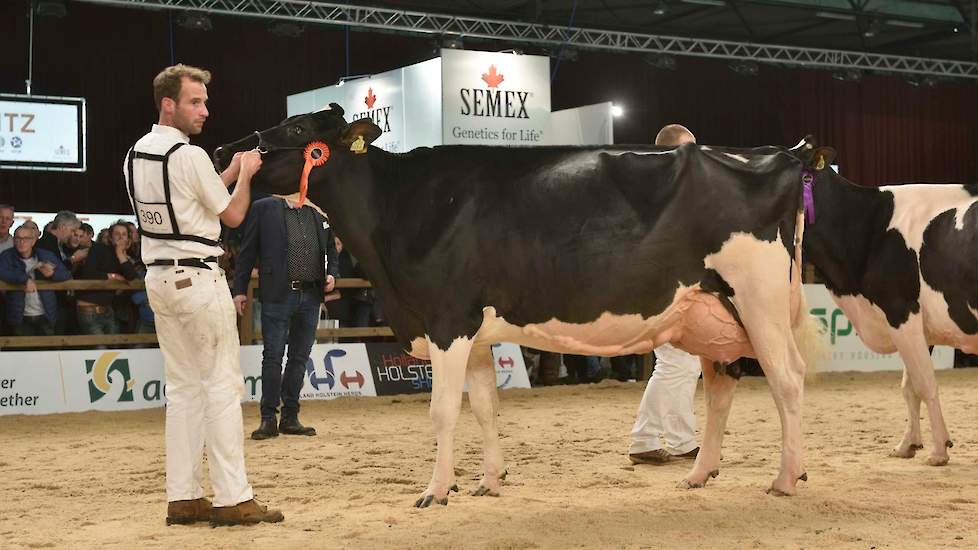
column 939, row 328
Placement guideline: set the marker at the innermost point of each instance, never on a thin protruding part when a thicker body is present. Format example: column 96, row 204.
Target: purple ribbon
column 808, row 181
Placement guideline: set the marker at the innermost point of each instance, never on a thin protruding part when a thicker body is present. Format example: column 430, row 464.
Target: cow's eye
column 297, row 130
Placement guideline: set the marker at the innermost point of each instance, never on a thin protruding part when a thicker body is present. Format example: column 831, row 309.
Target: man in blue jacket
column 297, row 257
column 31, row 312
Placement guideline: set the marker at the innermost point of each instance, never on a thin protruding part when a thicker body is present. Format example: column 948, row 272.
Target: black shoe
column 266, row 430
column 290, row 425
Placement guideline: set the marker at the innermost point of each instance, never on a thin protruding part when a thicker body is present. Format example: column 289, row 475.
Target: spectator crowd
column 67, row 248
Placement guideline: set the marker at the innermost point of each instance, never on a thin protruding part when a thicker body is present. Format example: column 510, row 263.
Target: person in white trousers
column 665, row 426
column 180, row 202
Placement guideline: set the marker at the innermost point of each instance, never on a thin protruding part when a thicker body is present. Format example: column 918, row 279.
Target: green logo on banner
column 833, row 323
column 102, row 370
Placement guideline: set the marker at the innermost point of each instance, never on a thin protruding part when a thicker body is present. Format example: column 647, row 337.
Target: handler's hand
column 239, row 303
column 330, row 284
column 250, row 163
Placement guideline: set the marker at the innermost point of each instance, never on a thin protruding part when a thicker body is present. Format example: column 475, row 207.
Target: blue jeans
column 294, row 322
column 90, row 322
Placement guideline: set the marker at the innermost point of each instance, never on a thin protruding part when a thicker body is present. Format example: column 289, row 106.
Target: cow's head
column 811, row 155
column 284, row 148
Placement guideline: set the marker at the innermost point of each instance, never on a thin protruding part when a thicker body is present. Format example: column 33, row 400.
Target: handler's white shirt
column 196, row 191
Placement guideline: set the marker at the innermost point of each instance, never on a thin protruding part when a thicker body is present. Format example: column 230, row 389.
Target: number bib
column 154, row 218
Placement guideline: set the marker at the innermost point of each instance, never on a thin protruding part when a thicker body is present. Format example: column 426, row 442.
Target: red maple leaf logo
column 492, row 78
column 370, row 99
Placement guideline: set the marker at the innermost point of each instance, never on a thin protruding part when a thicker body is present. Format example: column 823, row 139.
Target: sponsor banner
column 491, row 98
column 30, row 383
column 112, row 380
column 847, row 351
column 396, row 372
column 338, row 370
column 510, row 368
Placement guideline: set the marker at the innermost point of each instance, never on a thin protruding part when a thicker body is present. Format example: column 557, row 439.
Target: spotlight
column 662, row 61
column 874, row 28
column 452, row 43
column 918, row 81
column 616, row 110
column 661, row 8
column 350, row 77
column 848, row 75
column 745, row 68
column 195, row 21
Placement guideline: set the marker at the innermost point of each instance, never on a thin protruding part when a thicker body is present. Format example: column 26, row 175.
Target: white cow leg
column 785, row 372
column 718, row 390
column 481, row 378
column 911, row 441
column 447, row 381
column 909, row 340
column 765, row 316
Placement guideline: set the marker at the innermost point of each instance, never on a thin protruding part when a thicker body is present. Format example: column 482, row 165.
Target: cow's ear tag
column 358, row 146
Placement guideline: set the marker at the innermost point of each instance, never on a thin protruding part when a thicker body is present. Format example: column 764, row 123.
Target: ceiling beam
column 434, row 24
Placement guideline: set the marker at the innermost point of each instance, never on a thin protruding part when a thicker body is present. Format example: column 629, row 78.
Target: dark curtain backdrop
column 884, row 129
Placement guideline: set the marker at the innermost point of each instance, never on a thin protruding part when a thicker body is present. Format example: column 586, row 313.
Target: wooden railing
column 246, row 330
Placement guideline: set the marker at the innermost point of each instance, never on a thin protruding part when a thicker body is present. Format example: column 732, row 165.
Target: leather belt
column 304, row 285
column 94, row 308
column 185, row 262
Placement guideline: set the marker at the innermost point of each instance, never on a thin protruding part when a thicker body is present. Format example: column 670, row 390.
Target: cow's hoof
column 428, row 499
column 483, row 491
column 687, row 484
column 903, row 453
column 909, row 452
column 936, row 460
column 781, row 489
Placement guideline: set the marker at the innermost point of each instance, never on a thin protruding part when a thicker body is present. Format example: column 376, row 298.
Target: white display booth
column 463, row 98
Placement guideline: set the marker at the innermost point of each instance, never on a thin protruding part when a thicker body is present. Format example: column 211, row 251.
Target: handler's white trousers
column 195, row 323
column 666, row 412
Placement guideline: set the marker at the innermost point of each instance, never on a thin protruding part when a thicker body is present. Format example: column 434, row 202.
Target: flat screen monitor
column 42, row 133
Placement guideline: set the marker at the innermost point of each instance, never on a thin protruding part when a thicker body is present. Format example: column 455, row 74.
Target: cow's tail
column 809, row 333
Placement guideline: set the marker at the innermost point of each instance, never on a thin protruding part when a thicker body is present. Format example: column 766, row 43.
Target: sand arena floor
column 95, row 480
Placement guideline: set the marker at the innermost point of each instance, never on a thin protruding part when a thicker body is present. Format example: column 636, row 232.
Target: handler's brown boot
column 185, row 512
column 248, row 512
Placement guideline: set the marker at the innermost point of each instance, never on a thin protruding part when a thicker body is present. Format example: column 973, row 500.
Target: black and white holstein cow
column 901, row 261
column 587, row 250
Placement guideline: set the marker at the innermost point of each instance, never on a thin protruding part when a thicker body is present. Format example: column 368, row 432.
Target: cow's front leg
column 447, row 381
column 919, row 368
column 481, row 378
column 718, row 390
column 911, row 441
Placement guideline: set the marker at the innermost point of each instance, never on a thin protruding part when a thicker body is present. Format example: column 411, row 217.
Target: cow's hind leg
column 718, row 390
column 910, row 342
column 481, row 378
column 911, row 441
column 447, row 381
